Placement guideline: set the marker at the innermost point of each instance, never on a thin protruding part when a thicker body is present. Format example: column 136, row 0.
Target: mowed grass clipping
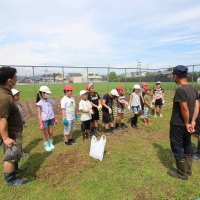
column 135, row 166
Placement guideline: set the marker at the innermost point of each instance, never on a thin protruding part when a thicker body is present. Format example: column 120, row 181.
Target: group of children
column 89, row 107
column 141, row 102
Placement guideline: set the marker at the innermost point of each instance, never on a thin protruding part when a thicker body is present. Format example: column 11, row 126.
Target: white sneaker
column 155, row 115
column 161, row 115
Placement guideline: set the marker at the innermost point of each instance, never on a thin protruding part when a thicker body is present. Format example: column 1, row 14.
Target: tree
column 112, row 77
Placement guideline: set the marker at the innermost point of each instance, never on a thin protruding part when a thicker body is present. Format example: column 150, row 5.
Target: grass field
column 134, row 167
column 28, row 91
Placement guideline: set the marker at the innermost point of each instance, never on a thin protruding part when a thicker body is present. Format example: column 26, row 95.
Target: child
column 147, row 105
column 158, row 98
column 46, row 116
column 16, row 96
column 135, row 104
column 69, row 114
column 143, row 90
column 197, row 133
column 95, row 100
column 86, row 114
column 121, row 101
column 107, row 109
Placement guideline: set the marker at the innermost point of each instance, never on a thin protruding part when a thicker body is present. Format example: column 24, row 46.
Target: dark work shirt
column 94, row 98
column 185, row 93
column 10, row 111
column 108, row 102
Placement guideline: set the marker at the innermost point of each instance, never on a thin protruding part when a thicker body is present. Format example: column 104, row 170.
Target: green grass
column 28, row 91
column 134, row 167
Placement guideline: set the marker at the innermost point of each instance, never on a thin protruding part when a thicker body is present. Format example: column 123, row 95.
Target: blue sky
column 98, row 33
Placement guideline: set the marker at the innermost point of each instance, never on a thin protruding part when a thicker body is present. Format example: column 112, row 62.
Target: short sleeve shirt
column 185, row 93
column 46, row 108
column 121, row 98
column 10, row 111
column 136, row 99
column 94, row 98
column 85, row 105
column 108, row 102
column 68, row 103
column 158, row 93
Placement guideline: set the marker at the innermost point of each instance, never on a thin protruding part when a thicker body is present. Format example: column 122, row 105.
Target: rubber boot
column 189, row 165
column 12, row 180
column 50, row 142
column 117, row 126
column 46, row 146
column 181, row 171
column 133, row 122
column 19, row 170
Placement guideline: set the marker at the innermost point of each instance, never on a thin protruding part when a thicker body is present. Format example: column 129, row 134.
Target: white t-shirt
column 68, row 103
column 135, row 99
column 85, row 105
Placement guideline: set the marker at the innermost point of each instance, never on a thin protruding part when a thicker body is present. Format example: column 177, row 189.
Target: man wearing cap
column 107, row 110
column 184, row 113
column 11, row 124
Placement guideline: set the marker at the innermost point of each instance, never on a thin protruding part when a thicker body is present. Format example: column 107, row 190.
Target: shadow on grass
column 33, row 164
column 32, row 145
column 165, row 156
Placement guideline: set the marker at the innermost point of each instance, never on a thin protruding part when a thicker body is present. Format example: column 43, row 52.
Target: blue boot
column 46, row 146
column 50, row 142
column 12, row 180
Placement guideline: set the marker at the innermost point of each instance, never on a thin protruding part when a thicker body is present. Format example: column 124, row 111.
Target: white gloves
column 110, row 111
column 163, row 101
column 99, row 107
column 91, row 111
column 129, row 107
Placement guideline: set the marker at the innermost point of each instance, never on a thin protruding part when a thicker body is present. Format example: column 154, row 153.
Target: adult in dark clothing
column 182, row 124
column 11, row 124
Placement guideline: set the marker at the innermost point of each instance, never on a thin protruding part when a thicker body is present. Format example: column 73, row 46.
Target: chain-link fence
column 105, row 76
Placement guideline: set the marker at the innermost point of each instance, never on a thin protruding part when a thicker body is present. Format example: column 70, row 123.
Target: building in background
column 92, row 77
column 75, row 78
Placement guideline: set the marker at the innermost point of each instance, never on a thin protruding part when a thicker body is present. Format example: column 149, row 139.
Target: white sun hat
column 136, row 86
column 114, row 93
column 83, row 92
column 14, row 91
column 45, row 89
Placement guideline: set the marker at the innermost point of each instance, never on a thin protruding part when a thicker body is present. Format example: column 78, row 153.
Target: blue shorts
column 48, row 123
column 136, row 109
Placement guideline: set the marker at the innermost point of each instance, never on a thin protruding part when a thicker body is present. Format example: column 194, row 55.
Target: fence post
column 125, row 78
column 154, row 71
column 34, row 81
column 108, row 78
column 63, row 73
column 87, row 75
column 140, row 75
column 192, row 74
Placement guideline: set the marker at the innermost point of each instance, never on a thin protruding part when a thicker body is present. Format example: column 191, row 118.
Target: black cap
column 180, row 69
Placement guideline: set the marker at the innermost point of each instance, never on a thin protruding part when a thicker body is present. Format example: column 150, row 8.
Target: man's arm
column 4, row 132
column 196, row 112
column 185, row 114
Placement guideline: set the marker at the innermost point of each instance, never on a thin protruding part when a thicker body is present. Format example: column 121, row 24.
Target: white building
column 92, row 77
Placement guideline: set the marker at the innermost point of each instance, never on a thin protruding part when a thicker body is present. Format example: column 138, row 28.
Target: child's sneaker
column 196, row 156
column 155, row 115
column 68, row 143
column 72, row 141
column 161, row 115
column 47, row 147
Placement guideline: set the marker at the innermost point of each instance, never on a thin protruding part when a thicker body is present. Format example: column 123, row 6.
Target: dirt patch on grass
column 64, row 166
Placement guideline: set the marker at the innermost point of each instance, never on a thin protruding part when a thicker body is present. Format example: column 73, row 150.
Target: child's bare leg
column 45, row 134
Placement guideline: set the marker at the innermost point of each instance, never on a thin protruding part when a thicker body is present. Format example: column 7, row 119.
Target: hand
column 129, row 107
column 193, row 123
column 65, row 122
column 99, row 107
column 189, row 128
column 110, row 111
column 91, row 111
column 9, row 142
column 76, row 117
column 55, row 120
column 163, row 101
column 41, row 127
